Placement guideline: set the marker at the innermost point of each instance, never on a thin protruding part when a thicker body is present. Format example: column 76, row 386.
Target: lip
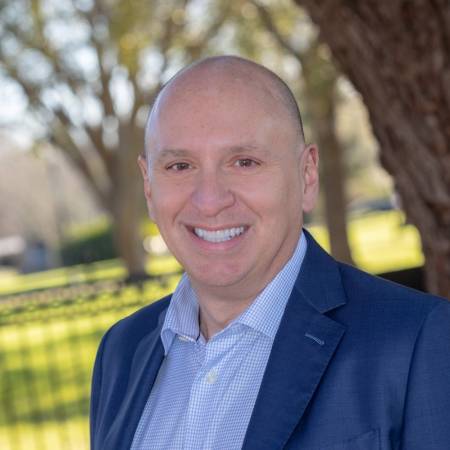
column 217, row 246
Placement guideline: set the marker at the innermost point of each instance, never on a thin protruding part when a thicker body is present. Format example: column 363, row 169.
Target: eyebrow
column 233, row 150
column 248, row 148
column 172, row 153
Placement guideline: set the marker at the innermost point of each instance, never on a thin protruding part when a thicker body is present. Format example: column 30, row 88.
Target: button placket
column 211, row 376
column 206, row 389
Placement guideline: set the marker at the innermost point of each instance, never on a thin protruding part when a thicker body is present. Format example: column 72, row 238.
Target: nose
column 211, row 194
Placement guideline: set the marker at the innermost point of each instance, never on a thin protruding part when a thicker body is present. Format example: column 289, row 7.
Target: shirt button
column 183, row 338
column 211, row 377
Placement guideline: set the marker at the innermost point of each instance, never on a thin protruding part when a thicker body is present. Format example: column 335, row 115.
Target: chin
column 216, row 278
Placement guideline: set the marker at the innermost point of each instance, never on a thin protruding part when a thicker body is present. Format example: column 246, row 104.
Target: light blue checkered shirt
column 205, row 392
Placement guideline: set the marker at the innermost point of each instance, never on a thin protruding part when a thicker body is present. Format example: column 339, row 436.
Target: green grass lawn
column 11, row 281
column 46, row 363
column 48, row 345
column 380, row 242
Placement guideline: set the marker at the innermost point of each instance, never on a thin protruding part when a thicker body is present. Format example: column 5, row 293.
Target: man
column 267, row 343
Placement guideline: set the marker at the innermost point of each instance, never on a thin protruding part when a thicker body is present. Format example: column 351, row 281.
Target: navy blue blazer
column 358, row 363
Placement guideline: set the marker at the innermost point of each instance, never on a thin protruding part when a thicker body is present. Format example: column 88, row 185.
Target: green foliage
column 89, row 244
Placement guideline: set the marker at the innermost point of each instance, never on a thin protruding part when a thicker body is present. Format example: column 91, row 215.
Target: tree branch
column 105, row 75
column 59, row 136
column 271, row 26
column 194, row 48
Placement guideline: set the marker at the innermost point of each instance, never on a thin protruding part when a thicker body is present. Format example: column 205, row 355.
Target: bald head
column 227, row 74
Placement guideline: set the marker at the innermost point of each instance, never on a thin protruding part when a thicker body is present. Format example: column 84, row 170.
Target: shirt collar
column 182, row 315
column 266, row 311
column 263, row 315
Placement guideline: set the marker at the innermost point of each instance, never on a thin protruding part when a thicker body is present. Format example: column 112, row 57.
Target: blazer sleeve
column 426, row 422
column 95, row 391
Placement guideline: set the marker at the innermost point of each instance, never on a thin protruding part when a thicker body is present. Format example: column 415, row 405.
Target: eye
column 178, row 166
column 246, row 162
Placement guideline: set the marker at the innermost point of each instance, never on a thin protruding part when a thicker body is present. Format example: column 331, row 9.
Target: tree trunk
column 320, row 78
column 125, row 232
column 397, row 54
column 127, row 202
column 333, row 180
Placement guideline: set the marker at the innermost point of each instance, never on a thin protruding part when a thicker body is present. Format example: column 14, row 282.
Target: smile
column 219, row 235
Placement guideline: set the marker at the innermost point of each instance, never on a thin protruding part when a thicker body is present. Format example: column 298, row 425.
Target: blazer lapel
column 146, row 363
column 302, row 349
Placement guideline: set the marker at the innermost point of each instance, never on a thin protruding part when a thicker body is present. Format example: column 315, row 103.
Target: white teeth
column 218, row 235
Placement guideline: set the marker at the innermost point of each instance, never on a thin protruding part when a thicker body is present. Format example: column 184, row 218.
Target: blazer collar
column 319, row 280
column 304, row 346
column 145, row 366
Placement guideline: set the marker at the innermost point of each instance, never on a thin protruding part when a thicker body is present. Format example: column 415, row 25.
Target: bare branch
column 195, row 48
column 98, row 46
column 271, row 26
column 60, row 137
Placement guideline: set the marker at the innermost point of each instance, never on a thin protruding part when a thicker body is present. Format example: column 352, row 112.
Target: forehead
column 216, row 105
column 217, row 92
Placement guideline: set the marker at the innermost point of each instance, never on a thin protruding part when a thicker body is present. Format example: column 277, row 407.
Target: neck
column 215, row 317
column 215, row 313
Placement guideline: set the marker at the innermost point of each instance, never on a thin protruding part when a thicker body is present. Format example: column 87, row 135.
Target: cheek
column 267, row 201
column 282, row 205
column 273, row 193
column 166, row 202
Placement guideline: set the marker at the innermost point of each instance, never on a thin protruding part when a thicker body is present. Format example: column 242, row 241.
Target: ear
column 143, row 165
column 310, row 176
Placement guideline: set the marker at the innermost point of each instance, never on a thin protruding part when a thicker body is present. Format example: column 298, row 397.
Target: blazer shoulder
column 361, row 286
column 387, row 321
column 133, row 328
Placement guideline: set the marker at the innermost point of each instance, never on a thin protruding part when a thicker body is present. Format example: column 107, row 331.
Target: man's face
column 226, row 183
